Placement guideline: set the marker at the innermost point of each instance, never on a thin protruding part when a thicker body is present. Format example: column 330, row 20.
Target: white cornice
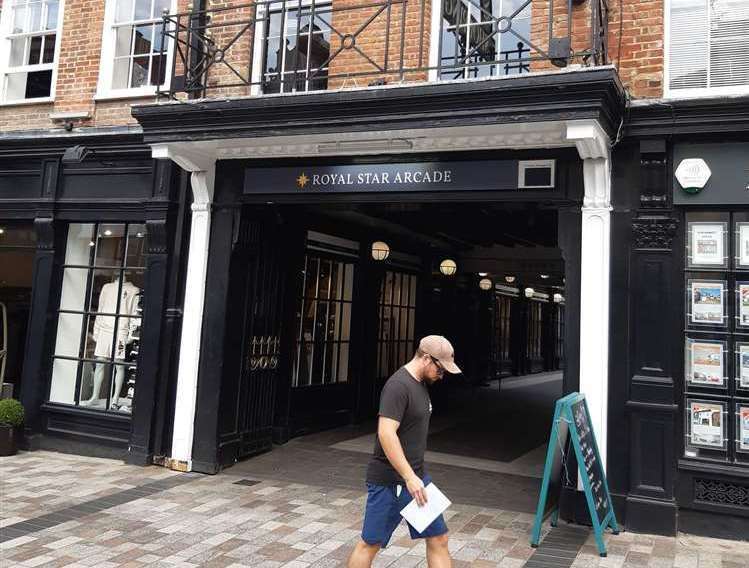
column 590, row 139
column 530, row 135
column 190, row 156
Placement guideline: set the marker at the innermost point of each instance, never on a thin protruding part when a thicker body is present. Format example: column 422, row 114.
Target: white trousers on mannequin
column 102, row 367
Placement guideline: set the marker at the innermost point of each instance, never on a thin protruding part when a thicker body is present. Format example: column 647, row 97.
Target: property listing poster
column 743, row 292
column 743, row 244
column 707, row 364
column 707, row 244
column 706, row 420
column 707, row 302
column 743, row 427
column 743, row 366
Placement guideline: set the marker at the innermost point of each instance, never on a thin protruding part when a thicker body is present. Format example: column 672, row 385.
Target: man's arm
column 387, row 429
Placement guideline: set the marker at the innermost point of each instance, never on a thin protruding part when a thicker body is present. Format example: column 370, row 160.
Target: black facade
column 246, row 400
column 99, row 182
column 659, row 483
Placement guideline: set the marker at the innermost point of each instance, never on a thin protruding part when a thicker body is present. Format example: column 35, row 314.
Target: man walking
column 395, row 474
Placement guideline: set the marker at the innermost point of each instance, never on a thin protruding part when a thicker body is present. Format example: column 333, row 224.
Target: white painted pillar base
column 202, row 166
column 594, row 148
column 192, row 321
column 594, row 318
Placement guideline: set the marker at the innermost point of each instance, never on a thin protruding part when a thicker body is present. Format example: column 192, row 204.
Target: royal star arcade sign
column 481, row 175
column 692, row 174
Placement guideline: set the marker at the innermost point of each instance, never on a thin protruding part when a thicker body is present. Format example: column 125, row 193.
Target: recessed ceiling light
column 2, row 231
column 91, row 243
column 139, row 235
column 482, row 274
column 107, row 233
column 544, row 276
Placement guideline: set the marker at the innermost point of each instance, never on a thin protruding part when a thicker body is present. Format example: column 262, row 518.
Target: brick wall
column 642, row 47
column 640, row 59
column 77, row 76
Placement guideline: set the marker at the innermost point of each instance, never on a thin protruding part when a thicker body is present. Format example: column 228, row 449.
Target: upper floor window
column 133, row 59
column 707, row 47
column 297, row 47
column 484, row 39
column 30, row 30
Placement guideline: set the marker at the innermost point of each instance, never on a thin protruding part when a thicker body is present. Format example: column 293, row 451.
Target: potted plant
column 11, row 419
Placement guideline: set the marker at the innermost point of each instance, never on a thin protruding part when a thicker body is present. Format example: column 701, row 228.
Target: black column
column 654, row 345
column 146, row 389
column 38, row 337
column 570, row 238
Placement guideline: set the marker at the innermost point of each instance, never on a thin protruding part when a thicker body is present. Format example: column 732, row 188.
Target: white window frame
column 435, row 54
column 669, row 93
column 261, row 18
column 106, row 63
column 6, row 23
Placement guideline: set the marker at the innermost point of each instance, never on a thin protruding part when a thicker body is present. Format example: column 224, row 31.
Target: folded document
column 421, row 517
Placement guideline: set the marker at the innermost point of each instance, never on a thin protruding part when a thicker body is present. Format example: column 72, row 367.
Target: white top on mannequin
column 104, row 325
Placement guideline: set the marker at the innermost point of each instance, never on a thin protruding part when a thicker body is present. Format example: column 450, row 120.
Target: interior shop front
column 337, row 268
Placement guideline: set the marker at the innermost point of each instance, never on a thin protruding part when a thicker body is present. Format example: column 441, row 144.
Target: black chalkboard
column 591, row 463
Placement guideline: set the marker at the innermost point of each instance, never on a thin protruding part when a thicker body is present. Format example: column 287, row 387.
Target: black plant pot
column 8, row 440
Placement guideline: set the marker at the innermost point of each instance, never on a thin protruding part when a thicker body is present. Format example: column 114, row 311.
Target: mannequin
column 104, row 334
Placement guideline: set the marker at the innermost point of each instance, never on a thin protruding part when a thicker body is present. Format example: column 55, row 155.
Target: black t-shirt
column 406, row 400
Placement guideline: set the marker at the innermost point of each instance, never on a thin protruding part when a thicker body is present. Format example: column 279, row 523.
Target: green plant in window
column 11, row 412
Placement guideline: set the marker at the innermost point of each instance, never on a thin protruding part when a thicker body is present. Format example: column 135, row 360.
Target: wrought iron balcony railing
column 278, row 46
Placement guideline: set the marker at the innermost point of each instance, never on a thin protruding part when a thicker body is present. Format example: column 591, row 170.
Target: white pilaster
column 593, row 145
column 202, row 166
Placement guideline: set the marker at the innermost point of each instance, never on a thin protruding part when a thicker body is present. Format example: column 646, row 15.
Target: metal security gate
column 261, row 356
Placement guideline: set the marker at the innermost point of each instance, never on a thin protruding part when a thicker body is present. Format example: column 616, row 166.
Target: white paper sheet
column 421, row 517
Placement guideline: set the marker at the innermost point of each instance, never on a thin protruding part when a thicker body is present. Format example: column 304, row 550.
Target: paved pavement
column 62, row 510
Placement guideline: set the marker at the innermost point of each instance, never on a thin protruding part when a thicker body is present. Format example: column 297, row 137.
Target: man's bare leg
column 438, row 555
column 363, row 555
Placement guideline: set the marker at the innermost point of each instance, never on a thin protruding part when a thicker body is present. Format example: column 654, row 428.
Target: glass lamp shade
column 529, row 292
column 485, row 284
column 509, row 279
column 448, row 267
column 380, row 250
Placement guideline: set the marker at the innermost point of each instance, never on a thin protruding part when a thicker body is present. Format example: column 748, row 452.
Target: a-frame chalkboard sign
column 572, row 422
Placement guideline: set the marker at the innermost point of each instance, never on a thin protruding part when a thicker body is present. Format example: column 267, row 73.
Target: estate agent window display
column 716, row 347
column 99, row 317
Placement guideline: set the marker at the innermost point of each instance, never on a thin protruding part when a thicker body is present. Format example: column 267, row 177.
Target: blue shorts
column 382, row 514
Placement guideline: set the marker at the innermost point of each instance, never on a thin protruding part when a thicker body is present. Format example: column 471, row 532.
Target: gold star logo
column 302, row 180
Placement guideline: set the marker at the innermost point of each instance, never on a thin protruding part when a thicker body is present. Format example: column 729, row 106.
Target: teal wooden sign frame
column 572, row 418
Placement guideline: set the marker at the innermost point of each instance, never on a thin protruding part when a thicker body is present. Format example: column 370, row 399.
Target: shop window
column 30, row 29
column 706, row 52
column 134, row 59
column 296, row 47
column 716, row 342
column 485, row 39
column 501, row 316
column 397, row 320
column 323, row 325
column 559, row 335
column 535, row 334
column 99, row 317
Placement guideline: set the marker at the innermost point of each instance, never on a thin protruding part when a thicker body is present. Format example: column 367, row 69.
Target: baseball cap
column 442, row 350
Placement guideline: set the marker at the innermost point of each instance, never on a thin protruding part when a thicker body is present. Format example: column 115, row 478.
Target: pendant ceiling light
column 485, row 284
column 509, row 279
column 380, row 250
column 448, row 267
